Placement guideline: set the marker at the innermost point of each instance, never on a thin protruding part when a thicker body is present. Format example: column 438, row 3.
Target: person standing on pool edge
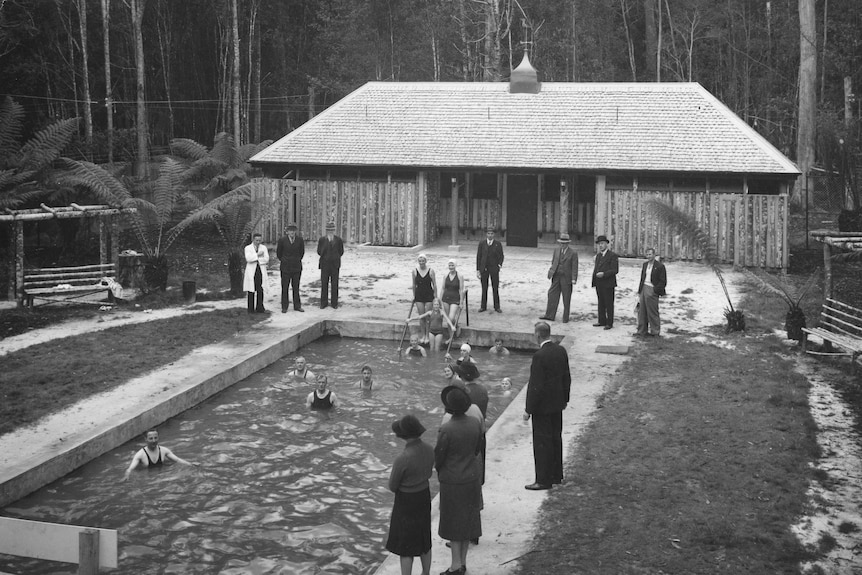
column 290, row 251
column 330, row 248
column 410, row 523
column 255, row 281
column 547, row 396
column 605, row 280
column 489, row 261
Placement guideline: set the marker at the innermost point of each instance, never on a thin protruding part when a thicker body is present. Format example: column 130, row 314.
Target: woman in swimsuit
column 436, row 329
column 453, row 293
column 424, row 292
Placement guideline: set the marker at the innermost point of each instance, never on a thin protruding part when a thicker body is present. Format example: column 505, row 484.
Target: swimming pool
column 278, row 489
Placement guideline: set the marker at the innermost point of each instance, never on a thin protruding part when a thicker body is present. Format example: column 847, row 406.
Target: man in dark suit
column 547, row 397
column 605, row 280
column 652, row 285
column 489, row 260
column 330, row 248
column 563, row 275
column 290, row 251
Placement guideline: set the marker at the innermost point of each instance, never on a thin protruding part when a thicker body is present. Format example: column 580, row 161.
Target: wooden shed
column 402, row 163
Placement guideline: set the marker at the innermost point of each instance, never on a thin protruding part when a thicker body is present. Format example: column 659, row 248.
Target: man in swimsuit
column 153, row 454
column 300, row 369
column 366, row 381
column 321, row 398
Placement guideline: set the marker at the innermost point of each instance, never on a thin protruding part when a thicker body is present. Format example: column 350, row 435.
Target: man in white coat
column 255, row 280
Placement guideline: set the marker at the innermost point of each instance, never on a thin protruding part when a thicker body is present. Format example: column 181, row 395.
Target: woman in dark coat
column 459, row 472
column 410, row 525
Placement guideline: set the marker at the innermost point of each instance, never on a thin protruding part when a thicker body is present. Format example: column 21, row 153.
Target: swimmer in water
column 321, row 398
column 152, row 454
column 415, row 349
column 300, row 370
column 506, row 386
column 366, row 381
column 498, row 347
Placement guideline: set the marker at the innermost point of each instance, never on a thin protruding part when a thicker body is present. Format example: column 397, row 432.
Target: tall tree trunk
column 85, row 76
column 650, row 37
column 823, row 51
column 258, row 109
column 574, row 40
column 805, row 134
column 165, row 50
column 659, row 32
column 109, row 98
column 237, row 127
column 492, row 72
column 142, row 160
column 631, row 48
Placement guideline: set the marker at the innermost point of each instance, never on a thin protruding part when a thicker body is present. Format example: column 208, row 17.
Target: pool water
column 278, row 488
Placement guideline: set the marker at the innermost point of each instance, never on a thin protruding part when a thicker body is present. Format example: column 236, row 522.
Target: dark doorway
column 521, row 211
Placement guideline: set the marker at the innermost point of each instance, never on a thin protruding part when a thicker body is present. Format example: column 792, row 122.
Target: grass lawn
column 47, row 377
column 697, row 462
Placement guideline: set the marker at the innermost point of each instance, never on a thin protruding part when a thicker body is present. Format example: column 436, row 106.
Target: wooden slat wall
column 746, row 229
column 380, row 213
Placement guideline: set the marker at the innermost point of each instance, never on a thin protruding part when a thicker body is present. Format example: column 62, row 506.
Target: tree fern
column 188, row 149
column 46, row 145
column 106, row 187
column 684, row 225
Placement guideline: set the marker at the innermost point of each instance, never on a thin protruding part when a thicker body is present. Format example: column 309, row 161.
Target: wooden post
column 564, row 207
column 88, row 552
column 115, row 242
column 827, row 269
column 422, row 206
column 103, row 239
column 11, row 291
column 453, row 213
column 18, row 234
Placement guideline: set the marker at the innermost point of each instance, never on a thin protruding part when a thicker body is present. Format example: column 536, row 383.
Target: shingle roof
column 568, row 126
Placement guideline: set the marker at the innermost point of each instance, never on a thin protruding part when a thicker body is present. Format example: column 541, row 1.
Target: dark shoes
column 546, row 318
column 609, row 327
column 299, row 309
column 460, row 571
column 481, row 309
column 498, row 310
column 598, row 325
column 537, row 487
column 284, row 310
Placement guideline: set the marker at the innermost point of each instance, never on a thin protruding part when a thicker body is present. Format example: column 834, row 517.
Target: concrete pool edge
column 152, row 399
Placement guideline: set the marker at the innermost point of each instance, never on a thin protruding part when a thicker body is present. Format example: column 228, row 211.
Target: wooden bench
column 64, row 284
column 840, row 324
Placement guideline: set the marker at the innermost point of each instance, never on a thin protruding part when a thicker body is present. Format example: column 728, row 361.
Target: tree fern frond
column 11, row 129
column 46, row 145
column 684, row 225
column 224, row 150
column 766, row 286
column 167, row 188
column 21, row 196
column 94, row 178
column 11, row 179
column 847, row 257
column 245, row 152
column 188, row 149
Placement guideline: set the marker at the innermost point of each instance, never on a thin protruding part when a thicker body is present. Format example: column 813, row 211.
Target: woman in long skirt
column 459, row 472
column 410, row 525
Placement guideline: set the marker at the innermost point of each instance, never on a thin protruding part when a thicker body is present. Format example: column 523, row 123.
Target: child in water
column 436, row 329
column 415, row 349
column 506, row 386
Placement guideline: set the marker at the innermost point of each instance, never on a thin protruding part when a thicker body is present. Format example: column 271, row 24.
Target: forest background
column 142, row 72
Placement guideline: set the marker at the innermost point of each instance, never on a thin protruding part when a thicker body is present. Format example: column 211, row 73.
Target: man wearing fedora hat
column 489, row 260
column 605, row 280
column 330, row 248
column 563, row 275
column 410, row 522
column 290, row 251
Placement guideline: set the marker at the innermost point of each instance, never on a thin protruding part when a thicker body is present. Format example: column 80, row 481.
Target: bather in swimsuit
column 324, row 402
column 150, row 462
column 422, row 289
column 452, row 290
